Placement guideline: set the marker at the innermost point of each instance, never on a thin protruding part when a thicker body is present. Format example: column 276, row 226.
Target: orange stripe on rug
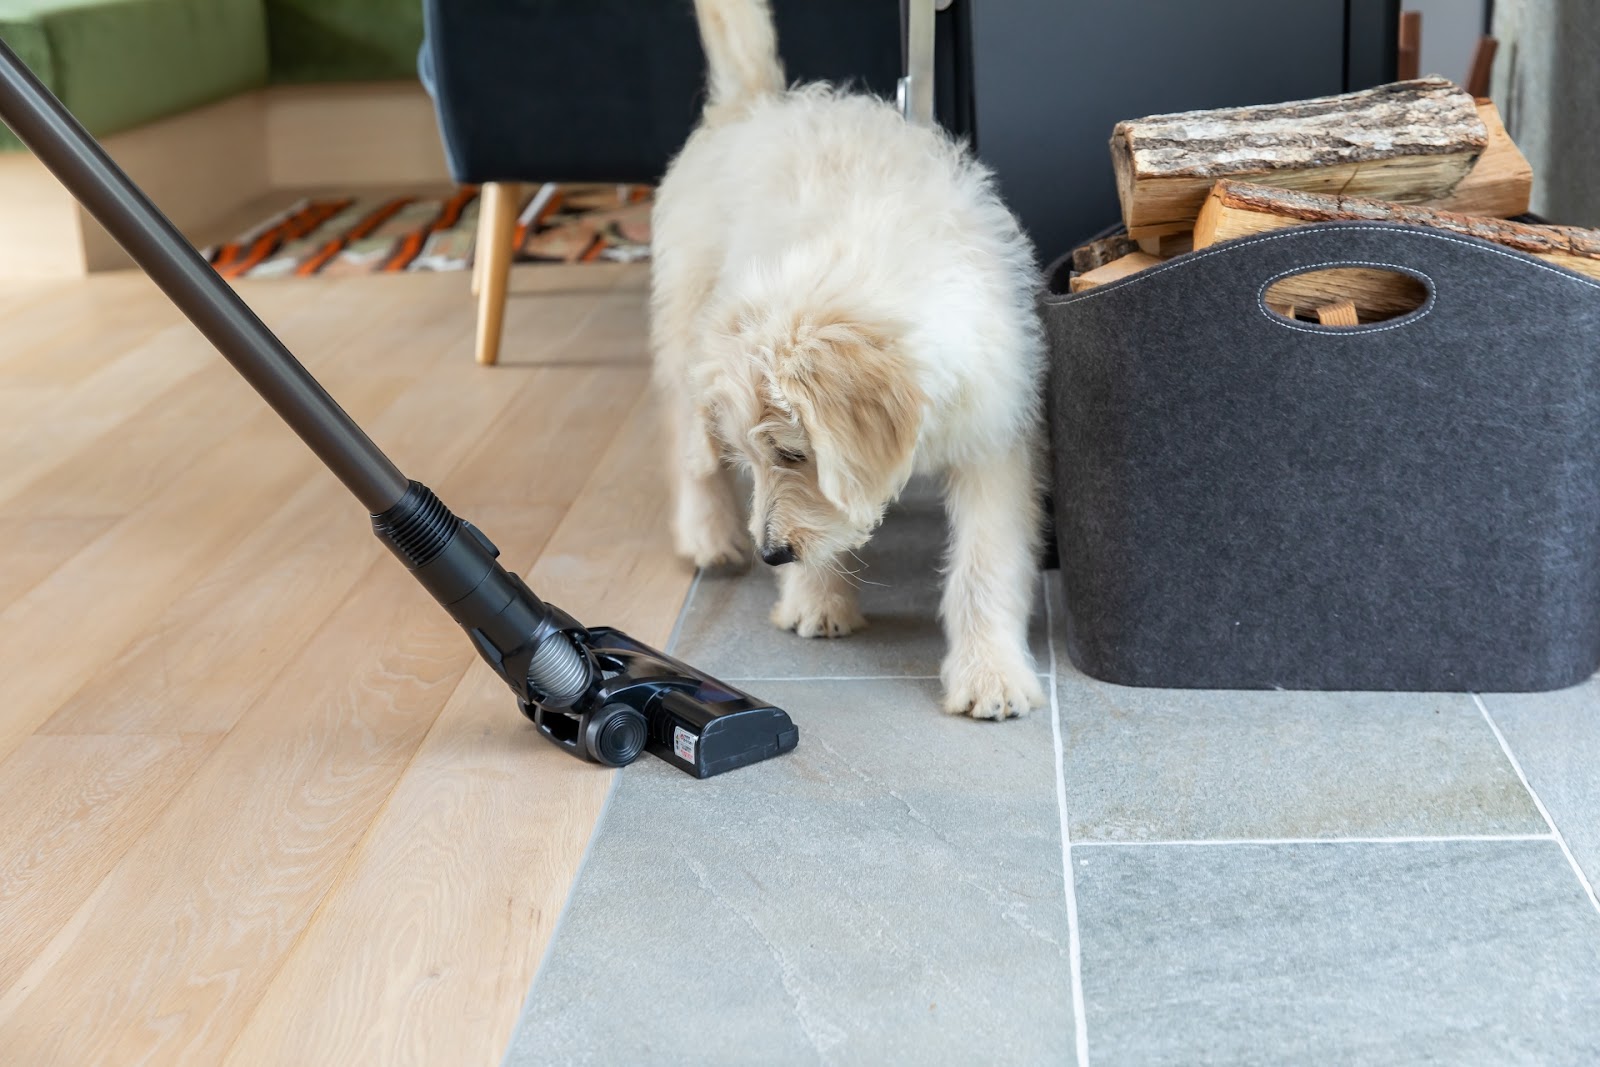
column 229, row 253
column 414, row 242
column 339, row 244
column 302, row 223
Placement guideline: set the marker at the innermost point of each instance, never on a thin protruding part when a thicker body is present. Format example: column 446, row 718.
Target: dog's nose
column 777, row 555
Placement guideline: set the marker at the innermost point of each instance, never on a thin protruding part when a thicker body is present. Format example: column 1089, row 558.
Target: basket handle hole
column 1342, row 297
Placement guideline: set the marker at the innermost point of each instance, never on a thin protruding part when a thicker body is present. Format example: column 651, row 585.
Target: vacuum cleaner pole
column 600, row 694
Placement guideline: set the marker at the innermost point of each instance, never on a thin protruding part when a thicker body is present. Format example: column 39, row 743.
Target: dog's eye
column 789, row 456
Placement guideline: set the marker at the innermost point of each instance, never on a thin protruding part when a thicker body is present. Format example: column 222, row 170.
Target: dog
column 839, row 299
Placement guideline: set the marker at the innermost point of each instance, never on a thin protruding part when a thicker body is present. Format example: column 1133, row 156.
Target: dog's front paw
column 827, row 617
column 991, row 688
column 711, row 549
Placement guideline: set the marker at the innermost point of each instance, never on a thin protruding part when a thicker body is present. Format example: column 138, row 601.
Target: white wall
column 1450, row 32
column 1547, row 87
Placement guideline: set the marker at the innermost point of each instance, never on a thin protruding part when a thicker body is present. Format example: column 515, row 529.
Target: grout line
column 1228, row 842
column 683, row 612
column 1074, row 942
column 1572, row 861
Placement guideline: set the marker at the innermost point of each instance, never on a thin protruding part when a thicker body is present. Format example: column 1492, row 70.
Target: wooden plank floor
column 259, row 801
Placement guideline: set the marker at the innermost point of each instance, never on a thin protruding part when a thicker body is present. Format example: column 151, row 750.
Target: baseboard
column 202, row 166
column 338, row 136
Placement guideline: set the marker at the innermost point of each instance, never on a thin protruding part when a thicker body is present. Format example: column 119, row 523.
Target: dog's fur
column 839, row 298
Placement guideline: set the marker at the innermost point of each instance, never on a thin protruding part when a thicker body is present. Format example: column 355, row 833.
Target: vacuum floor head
column 644, row 700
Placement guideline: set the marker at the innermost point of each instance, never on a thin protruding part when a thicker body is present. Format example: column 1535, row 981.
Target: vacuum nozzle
column 648, row 699
column 598, row 693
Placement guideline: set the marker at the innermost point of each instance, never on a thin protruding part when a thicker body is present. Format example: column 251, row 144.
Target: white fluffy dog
column 839, row 299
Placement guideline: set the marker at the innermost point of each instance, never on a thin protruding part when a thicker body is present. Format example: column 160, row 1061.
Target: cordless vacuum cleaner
column 597, row 693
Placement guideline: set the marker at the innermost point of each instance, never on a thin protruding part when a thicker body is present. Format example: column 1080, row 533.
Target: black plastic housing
column 577, row 699
column 697, row 723
column 459, row 565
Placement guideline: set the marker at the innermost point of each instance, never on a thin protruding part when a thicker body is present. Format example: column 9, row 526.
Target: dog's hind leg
column 989, row 585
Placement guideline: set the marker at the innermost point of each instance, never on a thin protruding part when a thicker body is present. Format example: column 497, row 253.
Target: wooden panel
column 201, row 913
column 617, row 333
column 74, row 804
column 180, row 562
column 59, row 333
column 111, row 398
column 345, row 135
column 119, row 586
column 197, row 913
column 35, row 546
column 483, row 832
column 202, row 662
column 41, row 235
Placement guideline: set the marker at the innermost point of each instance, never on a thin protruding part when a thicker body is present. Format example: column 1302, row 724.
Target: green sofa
column 118, row 64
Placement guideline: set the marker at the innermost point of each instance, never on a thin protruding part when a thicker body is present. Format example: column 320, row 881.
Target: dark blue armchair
column 603, row 91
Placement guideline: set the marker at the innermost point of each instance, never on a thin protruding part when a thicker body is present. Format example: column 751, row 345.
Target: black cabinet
column 1049, row 78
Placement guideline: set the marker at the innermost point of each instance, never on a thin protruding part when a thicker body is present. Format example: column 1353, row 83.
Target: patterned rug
column 354, row 235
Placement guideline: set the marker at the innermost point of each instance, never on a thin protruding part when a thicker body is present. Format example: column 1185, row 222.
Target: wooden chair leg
column 497, row 223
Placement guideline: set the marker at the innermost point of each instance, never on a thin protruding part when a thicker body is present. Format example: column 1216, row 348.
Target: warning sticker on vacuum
column 683, row 743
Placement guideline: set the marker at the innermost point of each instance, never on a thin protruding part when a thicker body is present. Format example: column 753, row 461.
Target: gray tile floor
column 1132, row 876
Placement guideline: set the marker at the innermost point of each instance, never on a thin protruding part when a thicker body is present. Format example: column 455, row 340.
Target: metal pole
column 79, row 163
column 919, row 61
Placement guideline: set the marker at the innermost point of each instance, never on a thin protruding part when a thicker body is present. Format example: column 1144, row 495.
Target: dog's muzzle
column 777, row 555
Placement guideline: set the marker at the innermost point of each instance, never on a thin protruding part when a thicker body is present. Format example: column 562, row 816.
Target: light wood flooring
column 259, row 801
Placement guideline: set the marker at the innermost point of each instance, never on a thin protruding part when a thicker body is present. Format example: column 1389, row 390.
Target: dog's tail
column 741, row 48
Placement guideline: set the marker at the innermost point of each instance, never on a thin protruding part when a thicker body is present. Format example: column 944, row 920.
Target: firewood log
column 1132, row 263
column 1408, row 141
column 1238, row 209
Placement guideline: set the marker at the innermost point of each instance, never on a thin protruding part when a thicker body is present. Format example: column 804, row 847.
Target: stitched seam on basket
column 1146, row 275
column 1344, row 331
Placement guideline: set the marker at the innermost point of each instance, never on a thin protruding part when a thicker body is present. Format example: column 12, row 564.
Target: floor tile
column 1556, row 739
column 1483, row 954
column 726, row 630
column 890, row 891
column 1159, row 764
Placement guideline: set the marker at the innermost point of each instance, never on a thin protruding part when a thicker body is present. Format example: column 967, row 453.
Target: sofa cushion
column 117, row 64
column 344, row 40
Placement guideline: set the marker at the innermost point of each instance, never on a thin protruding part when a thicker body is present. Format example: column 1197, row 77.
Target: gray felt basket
column 1244, row 501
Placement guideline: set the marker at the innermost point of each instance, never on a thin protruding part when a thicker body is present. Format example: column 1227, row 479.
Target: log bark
column 1408, row 141
column 1096, row 254
column 1238, row 209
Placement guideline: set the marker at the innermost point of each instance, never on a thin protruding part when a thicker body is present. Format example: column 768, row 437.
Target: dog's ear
column 856, row 399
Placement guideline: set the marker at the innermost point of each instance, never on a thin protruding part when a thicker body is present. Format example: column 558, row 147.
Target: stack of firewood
column 1419, row 152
